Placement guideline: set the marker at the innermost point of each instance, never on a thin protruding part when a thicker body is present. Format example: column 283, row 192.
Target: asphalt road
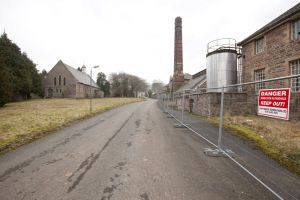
column 131, row 152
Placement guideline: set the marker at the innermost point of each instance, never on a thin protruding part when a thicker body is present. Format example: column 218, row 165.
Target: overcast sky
column 132, row 36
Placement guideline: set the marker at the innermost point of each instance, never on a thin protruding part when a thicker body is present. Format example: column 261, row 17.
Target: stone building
column 273, row 51
column 270, row 52
column 63, row 81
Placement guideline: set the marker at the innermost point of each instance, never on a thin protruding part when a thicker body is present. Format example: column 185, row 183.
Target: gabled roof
column 202, row 72
column 194, row 82
column 272, row 24
column 80, row 76
column 187, row 76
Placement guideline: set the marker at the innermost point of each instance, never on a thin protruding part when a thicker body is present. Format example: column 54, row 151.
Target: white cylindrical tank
column 221, row 64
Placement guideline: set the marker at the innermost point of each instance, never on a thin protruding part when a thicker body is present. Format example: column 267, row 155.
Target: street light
column 91, row 88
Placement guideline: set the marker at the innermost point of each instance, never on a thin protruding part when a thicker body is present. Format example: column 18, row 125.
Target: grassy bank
column 22, row 122
column 278, row 139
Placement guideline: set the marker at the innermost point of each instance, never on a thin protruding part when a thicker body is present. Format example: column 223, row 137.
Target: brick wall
column 178, row 77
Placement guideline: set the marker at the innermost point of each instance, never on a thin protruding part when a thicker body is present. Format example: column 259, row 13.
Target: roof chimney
column 83, row 68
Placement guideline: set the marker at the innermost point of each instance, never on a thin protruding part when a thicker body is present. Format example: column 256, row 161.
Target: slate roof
column 193, row 83
column 80, row 76
column 272, row 24
column 187, row 76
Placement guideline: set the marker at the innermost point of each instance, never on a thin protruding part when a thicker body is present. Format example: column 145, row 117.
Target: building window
column 259, row 76
column 64, row 80
column 259, row 45
column 295, row 69
column 59, row 90
column 56, row 90
column 59, row 80
column 54, row 80
column 296, row 29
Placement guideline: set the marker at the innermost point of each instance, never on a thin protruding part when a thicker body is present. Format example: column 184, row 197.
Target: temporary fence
column 281, row 99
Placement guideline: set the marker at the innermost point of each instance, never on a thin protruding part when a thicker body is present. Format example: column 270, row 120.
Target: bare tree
column 127, row 85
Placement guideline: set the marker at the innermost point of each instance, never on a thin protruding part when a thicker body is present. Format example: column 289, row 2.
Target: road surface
column 131, row 152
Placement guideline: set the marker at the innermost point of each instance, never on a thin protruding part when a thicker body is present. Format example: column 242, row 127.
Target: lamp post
column 91, row 88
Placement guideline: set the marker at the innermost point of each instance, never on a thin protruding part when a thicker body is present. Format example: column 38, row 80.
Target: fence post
column 168, row 102
column 164, row 102
column 172, row 105
column 182, row 108
column 221, row 118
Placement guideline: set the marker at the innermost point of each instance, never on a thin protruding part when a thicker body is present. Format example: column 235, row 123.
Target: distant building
column 273, row 51
column 63, row 81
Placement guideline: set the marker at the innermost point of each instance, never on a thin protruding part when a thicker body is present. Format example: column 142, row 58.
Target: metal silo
column 221, row 63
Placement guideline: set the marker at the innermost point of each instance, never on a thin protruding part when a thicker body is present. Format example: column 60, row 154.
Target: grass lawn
column 278, row 139
column 22, row 122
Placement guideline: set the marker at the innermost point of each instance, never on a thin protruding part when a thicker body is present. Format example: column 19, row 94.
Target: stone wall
column 208, row 104
column 85, row 91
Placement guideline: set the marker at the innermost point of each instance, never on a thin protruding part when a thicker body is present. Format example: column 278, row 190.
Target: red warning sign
column 274, row 103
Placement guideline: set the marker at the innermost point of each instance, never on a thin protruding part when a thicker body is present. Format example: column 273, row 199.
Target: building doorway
column 50, row 92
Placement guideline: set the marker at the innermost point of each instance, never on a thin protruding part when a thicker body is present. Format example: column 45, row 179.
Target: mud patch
column 52, row 161
column 153, row 123
column 37, row 169
column 148, row 130
column 120, row 165
column 137, row 123
column 144, row 196
column 148, row 116
column 129, row 144
column 109, row 191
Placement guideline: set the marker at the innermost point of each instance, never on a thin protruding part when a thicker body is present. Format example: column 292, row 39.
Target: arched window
column 59, row 80
column 54, row 80
column 64, row 80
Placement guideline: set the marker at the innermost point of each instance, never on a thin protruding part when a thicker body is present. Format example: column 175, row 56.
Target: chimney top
column 83, row 68
column 178, row 21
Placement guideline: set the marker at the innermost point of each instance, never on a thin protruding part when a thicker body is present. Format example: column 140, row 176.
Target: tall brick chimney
column 178, row 76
